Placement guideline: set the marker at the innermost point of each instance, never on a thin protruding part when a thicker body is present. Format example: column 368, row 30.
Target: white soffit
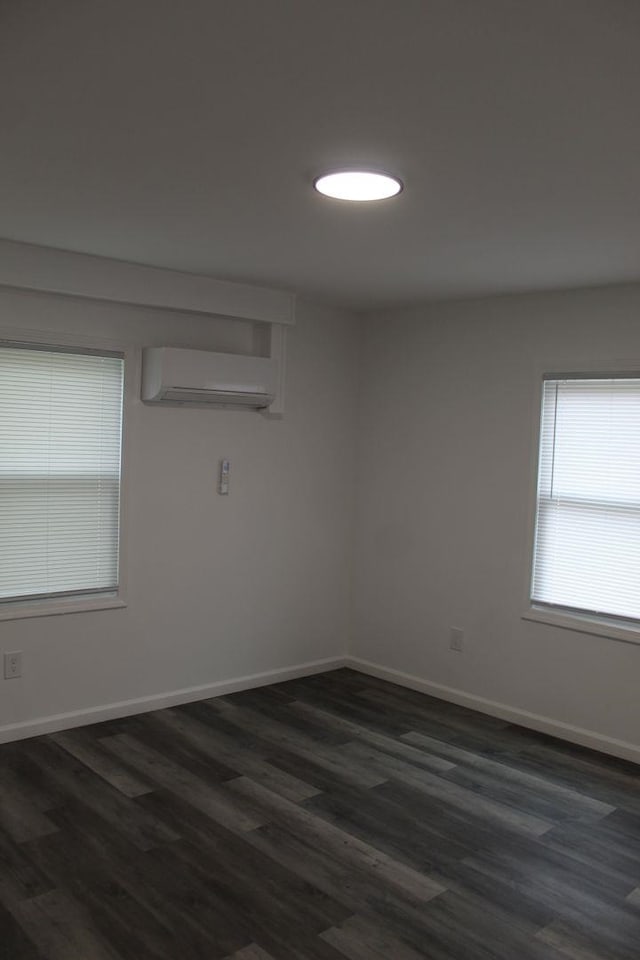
column 45, row 269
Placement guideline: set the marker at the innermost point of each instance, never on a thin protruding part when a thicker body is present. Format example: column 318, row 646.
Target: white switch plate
column 456, row 639
column 13, row 665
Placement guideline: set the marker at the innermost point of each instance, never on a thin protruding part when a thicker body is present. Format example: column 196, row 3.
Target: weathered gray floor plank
column 61, row 929
column 211, row 800
column 19, row 815
column 88, row 752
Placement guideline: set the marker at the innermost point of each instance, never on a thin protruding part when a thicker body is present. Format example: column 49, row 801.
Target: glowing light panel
column 358, row 185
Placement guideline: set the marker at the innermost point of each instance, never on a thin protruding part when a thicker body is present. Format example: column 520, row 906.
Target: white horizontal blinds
column 60, row 437
column 587, row 545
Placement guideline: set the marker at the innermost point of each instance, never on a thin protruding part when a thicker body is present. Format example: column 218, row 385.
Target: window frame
column 85, row 603
column 611, row 628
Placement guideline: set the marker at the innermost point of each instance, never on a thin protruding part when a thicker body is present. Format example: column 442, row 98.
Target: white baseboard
column 555, row 728
column 171, row 698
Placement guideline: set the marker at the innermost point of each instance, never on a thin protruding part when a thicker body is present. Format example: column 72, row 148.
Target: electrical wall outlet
column 13, row 665
column 456, row 639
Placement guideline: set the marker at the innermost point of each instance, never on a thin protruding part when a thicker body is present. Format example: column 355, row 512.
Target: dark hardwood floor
column 321, row 819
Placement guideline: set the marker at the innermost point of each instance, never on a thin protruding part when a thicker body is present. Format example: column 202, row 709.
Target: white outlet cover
column 13, row 665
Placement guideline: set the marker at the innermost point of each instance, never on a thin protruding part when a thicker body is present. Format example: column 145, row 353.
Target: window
column 60, row 442
column 587, row 539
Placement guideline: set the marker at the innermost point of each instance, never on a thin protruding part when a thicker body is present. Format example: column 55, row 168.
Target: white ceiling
column 186, row 133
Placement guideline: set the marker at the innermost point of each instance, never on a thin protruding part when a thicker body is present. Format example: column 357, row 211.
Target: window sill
column 23, row 610
column 626, row 632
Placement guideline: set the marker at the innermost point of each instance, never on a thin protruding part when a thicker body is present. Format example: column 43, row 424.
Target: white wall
column 447, row 409
column 219, row 587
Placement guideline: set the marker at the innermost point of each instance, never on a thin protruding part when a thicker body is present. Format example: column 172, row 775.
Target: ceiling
column 186, row 134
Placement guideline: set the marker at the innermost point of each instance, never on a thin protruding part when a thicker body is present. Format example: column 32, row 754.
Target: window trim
column 106, row 600
column 27, row 609
column 611, row 628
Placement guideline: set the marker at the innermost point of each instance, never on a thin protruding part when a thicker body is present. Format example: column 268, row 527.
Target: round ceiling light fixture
column 359, row 186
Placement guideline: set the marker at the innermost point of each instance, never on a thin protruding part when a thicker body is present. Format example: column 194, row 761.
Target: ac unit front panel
column 199, row 376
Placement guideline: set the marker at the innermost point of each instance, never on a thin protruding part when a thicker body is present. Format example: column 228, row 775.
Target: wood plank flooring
column 334, row 817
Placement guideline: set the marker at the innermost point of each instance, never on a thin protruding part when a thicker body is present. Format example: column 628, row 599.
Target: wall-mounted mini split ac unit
column 200, row 376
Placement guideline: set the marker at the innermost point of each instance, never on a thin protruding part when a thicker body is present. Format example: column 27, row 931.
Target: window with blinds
column 60, row 446
column 587, row 539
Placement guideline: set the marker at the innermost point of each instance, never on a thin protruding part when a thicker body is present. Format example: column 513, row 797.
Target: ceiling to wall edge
column 28, row 266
